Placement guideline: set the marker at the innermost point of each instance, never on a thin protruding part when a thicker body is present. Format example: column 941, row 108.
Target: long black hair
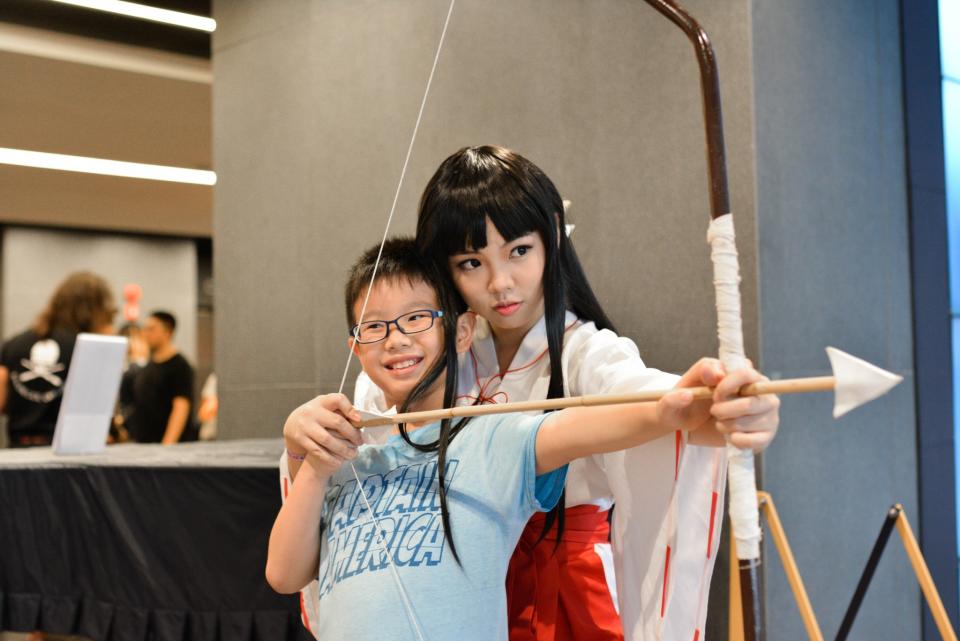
column 446, row 366
column 399, row 259
column 477, row 183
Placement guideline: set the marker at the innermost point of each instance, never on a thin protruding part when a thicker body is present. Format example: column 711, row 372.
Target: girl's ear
column 556, row 220
column 466, row 323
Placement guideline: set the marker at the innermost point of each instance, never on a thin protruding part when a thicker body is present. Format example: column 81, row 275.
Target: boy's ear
column 466, row 323
column 353, row 346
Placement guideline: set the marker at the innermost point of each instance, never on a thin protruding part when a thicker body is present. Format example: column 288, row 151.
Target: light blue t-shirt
column 492, row 491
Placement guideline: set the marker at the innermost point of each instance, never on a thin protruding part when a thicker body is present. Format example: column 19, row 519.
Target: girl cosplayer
column 491, row 220
column 411, row 538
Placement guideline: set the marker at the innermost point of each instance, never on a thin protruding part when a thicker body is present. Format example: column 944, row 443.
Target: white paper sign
column 90, row 394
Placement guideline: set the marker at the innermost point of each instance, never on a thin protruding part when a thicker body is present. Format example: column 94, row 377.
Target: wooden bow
column 743, row 491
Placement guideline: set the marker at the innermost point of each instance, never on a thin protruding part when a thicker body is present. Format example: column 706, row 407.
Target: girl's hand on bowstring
column 320, row 429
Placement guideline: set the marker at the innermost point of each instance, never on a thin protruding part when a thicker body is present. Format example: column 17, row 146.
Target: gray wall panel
column 834, row 269
column 265, row 250
column 261, row 406
column 242, row 20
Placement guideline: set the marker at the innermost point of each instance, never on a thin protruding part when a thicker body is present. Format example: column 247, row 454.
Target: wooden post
column 924, row 579
column 735, row 626
column 790, row 567
column 910, row 544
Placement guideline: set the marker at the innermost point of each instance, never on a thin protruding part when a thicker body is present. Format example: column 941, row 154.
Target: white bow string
column 381, row 539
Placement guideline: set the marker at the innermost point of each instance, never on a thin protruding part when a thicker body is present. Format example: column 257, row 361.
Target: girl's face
column 503, row 282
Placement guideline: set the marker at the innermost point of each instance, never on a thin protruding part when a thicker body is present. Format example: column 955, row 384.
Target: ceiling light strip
column 144, row 12
column 27, row 41
column 83, row 164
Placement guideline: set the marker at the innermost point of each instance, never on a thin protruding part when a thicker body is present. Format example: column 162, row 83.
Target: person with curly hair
column 34, row 363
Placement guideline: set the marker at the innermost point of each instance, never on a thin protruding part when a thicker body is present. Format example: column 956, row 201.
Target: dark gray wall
column 314, row 103
column 834, row 269
column 933, row 353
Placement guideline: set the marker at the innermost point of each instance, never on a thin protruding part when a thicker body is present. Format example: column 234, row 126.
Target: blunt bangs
column 477, row 183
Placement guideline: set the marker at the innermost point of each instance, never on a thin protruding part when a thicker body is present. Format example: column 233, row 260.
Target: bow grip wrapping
column 744, row 514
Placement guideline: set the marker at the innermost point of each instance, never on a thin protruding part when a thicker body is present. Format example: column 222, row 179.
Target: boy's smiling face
column 397, row 363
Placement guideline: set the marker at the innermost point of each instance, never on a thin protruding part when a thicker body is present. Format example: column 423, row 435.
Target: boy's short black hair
column 399, row 260
column 166, row 318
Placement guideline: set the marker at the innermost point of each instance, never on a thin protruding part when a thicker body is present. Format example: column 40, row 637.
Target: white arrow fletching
column 858, row 381
column 370, row 415
column 365, row 415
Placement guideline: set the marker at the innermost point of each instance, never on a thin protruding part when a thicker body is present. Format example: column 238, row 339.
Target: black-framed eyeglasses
column 413, row 322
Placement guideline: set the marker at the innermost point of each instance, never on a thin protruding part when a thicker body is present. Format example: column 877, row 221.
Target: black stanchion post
column 868, row 571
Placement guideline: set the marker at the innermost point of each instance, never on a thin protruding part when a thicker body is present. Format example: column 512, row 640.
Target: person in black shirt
column 138, row 354
column 34, row 364
column 163, row 390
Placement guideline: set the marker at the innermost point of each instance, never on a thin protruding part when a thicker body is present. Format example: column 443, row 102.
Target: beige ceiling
column 71, row 95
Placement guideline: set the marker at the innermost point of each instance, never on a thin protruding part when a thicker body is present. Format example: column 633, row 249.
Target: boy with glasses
column 438, row 508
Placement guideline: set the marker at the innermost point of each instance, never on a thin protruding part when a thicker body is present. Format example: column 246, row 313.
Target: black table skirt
column 134, row 553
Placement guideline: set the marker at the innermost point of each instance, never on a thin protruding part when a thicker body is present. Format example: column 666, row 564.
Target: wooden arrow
column 854, row 382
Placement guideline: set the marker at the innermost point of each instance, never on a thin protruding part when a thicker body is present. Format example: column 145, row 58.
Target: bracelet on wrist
column 296, row 457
